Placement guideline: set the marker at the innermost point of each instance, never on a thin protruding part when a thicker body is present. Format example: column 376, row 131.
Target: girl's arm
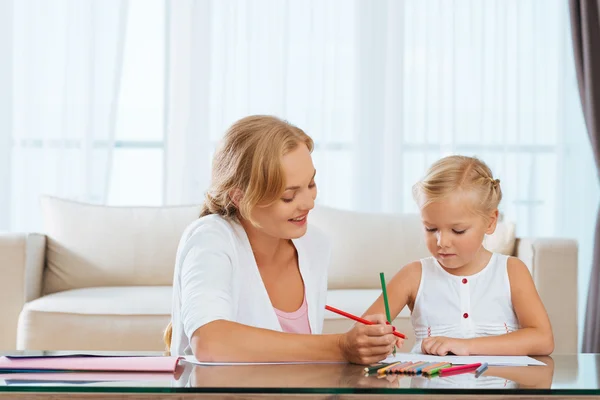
column 535, row 335
column 227, row 341
column 401, row 291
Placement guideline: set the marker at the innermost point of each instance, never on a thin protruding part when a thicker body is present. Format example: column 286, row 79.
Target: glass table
column 569, row 376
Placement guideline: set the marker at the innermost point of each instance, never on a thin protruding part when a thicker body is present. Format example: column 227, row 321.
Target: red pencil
column 460, row 368
column 359, row 319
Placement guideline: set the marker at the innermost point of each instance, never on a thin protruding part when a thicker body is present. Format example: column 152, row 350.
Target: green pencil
column 385, row 302
column 438, row 369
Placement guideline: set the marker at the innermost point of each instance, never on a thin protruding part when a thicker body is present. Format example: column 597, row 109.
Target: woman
column 250, row 279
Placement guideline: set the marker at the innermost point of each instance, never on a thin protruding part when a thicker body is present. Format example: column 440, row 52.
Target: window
column 138, row 160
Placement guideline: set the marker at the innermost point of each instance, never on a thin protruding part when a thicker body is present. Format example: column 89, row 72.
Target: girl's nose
column 443, row 240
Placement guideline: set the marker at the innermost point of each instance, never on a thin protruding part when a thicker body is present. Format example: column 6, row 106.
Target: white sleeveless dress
column 463, row 306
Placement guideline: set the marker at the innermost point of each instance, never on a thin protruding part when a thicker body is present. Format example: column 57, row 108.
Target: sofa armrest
column 21, row 267
column 553, row 265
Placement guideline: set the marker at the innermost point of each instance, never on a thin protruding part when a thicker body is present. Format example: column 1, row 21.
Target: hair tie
column 495, row 182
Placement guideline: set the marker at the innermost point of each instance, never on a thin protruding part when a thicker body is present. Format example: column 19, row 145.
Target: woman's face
column 287, row 218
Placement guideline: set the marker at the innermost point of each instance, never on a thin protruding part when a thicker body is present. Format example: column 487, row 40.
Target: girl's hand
column 368, row 344
column 441, row 346
column 399, row 342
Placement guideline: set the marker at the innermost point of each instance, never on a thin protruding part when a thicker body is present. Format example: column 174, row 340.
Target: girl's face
column 287, row 217
column 454, row 232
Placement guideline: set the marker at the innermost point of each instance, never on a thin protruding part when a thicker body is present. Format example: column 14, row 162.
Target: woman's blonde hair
column 249, row 160
column 459, row 173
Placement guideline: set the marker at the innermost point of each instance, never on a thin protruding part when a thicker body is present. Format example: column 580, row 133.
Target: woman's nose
column 307, row 202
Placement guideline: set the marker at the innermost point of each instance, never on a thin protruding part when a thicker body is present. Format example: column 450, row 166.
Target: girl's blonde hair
column 459, row 173
column 249, row 159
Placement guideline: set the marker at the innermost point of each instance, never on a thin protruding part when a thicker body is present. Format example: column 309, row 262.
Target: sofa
column 99, row 277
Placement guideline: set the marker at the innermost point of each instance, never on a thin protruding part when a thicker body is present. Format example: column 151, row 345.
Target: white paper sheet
column 192, row 360
column 461, row 360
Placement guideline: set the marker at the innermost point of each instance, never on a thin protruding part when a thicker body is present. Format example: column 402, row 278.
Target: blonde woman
column 250, row 278
column 464, row 299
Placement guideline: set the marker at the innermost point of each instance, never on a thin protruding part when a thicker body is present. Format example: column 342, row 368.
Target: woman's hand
column 441, row 346
column 368, row 344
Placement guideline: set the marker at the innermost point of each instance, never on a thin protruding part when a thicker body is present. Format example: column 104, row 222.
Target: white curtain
column 228, row 59
column 61, row 64
column 385, row 88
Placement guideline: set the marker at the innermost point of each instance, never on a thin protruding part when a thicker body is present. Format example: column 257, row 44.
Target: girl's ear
column 236, row 196
column 492, row 222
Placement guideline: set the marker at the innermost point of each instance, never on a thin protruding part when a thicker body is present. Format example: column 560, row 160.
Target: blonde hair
column 459, row 173
column 168, row 336
column 249, row 159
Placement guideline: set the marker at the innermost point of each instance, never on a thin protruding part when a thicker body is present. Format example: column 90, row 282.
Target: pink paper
column 132, row 364
column 88, row 376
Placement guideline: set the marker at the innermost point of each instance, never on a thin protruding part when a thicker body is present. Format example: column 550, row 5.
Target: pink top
column 296, row 321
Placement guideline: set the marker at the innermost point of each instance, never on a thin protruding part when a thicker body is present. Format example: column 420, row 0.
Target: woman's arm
column 401, row 291
column 226, row 341
column 208, row 314
column 533, row 338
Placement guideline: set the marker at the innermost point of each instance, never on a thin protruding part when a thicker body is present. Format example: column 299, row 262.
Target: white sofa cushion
column 104, row 318
column 124, row 300
column 90, row 245
column 503, row 240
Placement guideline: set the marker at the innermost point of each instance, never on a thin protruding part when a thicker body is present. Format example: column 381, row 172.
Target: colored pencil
column 397, row 368
column 413, row 369
column 374, row 368
column 460, row 368
column 359, row 319
column 481, row 370
column 437, row 369
column 433, row 366
column 385, row 302
column 387, row 367
column 420, row 369
column 452, row 373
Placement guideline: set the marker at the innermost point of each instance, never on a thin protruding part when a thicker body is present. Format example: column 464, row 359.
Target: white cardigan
column 216, row 277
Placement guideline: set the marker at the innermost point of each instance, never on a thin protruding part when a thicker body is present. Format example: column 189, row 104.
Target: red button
column 465, row 315
column 464, row 280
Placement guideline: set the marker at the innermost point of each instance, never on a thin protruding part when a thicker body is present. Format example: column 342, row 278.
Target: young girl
column 250, row 277
column 464, row 299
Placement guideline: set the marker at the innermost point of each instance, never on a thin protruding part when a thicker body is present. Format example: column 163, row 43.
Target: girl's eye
column 430, row 229
column 288, row 200
column 459, row 232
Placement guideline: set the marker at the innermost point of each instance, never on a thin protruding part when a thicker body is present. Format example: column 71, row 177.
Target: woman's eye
column 288, row 200
column 459, row 232
column 430, row 229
